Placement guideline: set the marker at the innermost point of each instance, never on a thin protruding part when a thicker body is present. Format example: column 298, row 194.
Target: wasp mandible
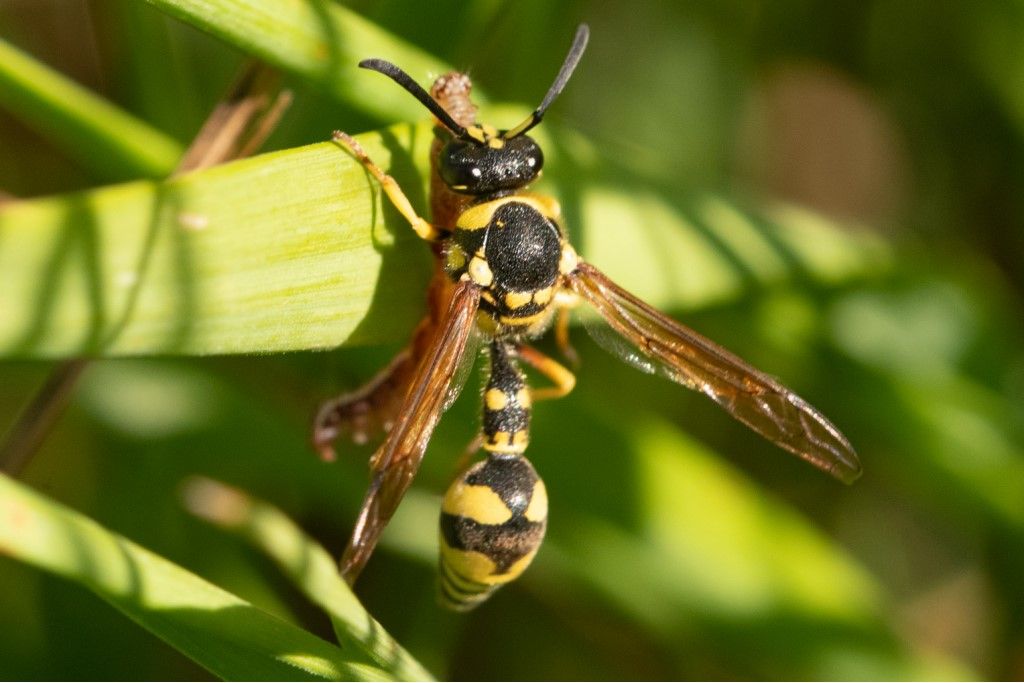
column 505, row 269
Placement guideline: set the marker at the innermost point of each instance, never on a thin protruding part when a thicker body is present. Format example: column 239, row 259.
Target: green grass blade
column 223, row 633
column 308, row 565
column 101, row 137
column 293, row 250
column 318, row 40
column 283, row 251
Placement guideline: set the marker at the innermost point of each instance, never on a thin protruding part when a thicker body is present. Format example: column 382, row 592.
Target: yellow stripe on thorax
column 479, row 216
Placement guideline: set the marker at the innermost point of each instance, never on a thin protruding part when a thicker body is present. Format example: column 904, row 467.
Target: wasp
column 504, row 271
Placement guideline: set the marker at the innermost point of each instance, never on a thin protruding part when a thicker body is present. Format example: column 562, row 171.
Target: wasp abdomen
column 492, row 523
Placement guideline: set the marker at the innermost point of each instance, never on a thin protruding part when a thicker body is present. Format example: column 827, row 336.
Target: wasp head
column 480, row 160
column 486, row 162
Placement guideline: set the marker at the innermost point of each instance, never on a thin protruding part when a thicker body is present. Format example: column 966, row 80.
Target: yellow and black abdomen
column 492, row 523
column 493, row 517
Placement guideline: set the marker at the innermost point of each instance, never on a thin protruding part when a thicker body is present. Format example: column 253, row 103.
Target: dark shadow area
column 166, row 204
column 75, row 251
column 398, row 272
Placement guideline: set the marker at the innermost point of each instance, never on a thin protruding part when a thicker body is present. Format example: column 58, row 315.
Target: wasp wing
column 395, row 463
column 749, row 395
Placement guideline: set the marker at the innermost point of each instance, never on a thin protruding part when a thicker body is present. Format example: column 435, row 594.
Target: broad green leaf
column 225, row 634
column 306, row 564
column 283, row 251
column 318, row 40
column 100, row 136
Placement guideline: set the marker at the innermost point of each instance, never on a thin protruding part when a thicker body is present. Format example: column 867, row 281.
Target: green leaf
column 307, row 565
column 284, row 251
column 225, row 634
column 317, row 40
column 100, row 136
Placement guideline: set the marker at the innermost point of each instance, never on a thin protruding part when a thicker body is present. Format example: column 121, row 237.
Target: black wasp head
column 479, row 160
column 471, row 167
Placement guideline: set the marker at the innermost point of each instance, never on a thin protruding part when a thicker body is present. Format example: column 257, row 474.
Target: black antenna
column 405, row 80
column 579, row 44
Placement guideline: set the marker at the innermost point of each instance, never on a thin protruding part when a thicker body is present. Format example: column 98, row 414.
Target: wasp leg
column 564, row 381
column 394, row 192
column 562, row 337
column 366, row 411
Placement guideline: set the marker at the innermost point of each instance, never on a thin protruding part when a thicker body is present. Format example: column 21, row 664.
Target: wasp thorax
column 492, row 523
column 491, row 164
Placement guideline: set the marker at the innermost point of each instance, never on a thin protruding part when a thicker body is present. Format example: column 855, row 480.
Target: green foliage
column 225, row 634
column 679, row 545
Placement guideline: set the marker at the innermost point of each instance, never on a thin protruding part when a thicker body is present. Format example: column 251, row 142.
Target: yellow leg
column 391, row 189
column 562, row 338
column 560, row 376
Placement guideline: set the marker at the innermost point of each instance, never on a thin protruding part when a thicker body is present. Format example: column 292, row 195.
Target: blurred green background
column 680, row 545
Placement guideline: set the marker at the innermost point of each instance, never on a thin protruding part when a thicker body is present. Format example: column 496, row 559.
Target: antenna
column 579, row 44
column 413, row 88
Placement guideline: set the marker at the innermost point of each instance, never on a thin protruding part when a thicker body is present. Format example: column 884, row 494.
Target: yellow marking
column 465, row 569
column 484, row 321
column 495, row 399
column 542, row 296
column 569, row 261
column 496, row 143
column 518, row 299
column 521, row 438
column 480, row 272
column 474, row 566
column 456, row 258
column 524, row 321
column 540, row 325
column 462, row 585
column 479, row 216
column 479, row 503
column 523, row 398
column 470, row 564
column 519, row 566
column 500, row 224
column 537, row 511
column 476, row 132
column 488, row 297
column 552, row 209
column 489, row 130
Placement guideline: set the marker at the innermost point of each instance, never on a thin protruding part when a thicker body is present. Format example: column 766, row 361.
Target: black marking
column 511, row 477
column 505, row 544
column 461, row 593
column 524, row 254
column 471, row 242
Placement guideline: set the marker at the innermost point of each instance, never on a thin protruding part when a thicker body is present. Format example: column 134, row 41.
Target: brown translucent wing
column 395, row 463
column 749, row 395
